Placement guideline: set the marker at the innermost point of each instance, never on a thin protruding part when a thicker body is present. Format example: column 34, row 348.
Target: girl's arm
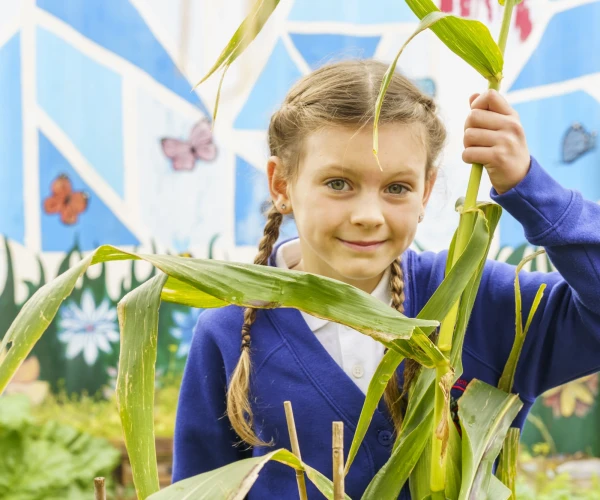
column 204, row 439
column 564, row 339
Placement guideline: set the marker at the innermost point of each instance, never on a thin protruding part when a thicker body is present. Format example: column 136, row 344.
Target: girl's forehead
column 402, row 148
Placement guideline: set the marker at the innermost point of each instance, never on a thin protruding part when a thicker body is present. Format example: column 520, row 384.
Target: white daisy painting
column 88, row 329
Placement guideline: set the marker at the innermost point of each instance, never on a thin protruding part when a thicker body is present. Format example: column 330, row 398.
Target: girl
column 355, row 224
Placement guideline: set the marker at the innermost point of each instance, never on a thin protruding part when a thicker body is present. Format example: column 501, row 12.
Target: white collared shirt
column 357, row 354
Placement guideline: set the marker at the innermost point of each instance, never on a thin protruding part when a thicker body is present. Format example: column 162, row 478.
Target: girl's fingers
column 481, row 137
column 493, row 101
column 490, row 120
column 472, row 98
column 481, row 155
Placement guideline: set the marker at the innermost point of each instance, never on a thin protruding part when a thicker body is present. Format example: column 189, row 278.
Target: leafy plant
column 48, row 461
column 96, row 415
column 428, row 451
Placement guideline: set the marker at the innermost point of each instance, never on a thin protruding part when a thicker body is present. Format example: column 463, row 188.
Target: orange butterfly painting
column 64, row 201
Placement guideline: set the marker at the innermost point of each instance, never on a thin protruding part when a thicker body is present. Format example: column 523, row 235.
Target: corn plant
column 428, row 452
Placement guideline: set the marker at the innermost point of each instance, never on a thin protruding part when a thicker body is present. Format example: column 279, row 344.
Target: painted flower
column 87, row 329
column 576, row 397
column 184, row 329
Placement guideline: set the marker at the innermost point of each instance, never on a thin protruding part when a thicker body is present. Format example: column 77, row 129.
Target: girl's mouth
column 362, row 246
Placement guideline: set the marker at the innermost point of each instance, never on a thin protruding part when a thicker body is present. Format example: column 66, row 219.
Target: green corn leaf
column 386, row 368
column 485, row 415
column 138, row 320
column 416, row 431
column 427, row 21
column 453, row 471
column 498, row 491
column 268, row 287
column 233, row 481
column 419, row 415
column 420, row 478
column 242, row 284
column 33, row 320
column 508, row 375
column 507, row 466
column 178, row 292
column 437, row 307
column 492, row 213
column 470, row 40
column 244, row 35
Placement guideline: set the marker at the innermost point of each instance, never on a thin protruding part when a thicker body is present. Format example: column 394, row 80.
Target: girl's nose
column 367, row 213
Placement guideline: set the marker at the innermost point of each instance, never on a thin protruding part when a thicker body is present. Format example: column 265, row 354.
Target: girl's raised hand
column 495, row 138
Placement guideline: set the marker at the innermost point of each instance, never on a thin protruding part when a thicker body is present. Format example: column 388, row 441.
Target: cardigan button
column 384, row 438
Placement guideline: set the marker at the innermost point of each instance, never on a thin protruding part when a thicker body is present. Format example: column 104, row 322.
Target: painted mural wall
column 102, row 141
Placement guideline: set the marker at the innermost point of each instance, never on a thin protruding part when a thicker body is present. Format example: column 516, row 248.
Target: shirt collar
column 287, row 254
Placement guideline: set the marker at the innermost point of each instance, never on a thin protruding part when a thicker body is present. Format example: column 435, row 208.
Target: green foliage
column 138, row 318
column 470, row 40
column 556, row 487
column 98, row 416
column 48, row 461
column 233, row 481
column 243, row 36
column 485, row 416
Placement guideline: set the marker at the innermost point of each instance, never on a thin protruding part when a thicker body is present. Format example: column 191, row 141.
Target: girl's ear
column 278, row 185
column 430, row 179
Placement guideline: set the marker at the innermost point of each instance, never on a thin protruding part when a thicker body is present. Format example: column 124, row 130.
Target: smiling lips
column 363, row 246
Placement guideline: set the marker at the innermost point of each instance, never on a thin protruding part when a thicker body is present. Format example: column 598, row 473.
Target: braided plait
column 239, row 409
column 392, row 395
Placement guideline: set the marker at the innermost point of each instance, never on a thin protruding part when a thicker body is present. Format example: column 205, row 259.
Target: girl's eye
column 337, row 184
column 397, row 189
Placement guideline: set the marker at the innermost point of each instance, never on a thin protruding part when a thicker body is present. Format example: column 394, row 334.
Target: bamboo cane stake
column 289, row 416
column 338, row 461
column 99, row 489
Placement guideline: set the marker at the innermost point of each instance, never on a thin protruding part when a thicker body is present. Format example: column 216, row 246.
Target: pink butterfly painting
column 184, row 154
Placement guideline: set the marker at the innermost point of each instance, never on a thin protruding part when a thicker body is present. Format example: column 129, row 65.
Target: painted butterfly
column 576, row 142
column 64, row 201
column 184, row 154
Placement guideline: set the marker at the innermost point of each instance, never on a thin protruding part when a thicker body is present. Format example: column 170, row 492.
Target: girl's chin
column 360, row 271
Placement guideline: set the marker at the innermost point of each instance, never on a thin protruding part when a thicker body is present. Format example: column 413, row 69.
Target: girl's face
column 353, row 218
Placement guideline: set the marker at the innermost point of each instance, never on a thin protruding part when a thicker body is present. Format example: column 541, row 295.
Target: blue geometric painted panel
column 270, row 89
column 352, row 11
column 12, row 222
column 118, row 26
column 95, row 226
column 84, row 99
column 546, row 121
column 319, row 49
column 426, row 85
column 251, row 192
column 563, row 54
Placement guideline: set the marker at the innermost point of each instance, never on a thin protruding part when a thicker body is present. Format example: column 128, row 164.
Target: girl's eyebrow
column 335, row 168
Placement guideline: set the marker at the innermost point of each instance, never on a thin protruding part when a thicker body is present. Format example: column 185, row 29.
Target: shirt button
column 357, row 371
column 384, row 438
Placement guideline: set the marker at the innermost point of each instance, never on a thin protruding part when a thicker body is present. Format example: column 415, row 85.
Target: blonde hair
column 342, row 93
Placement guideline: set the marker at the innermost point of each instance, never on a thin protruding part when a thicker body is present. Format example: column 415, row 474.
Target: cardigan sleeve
column 563, row 342
column 204, row 439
